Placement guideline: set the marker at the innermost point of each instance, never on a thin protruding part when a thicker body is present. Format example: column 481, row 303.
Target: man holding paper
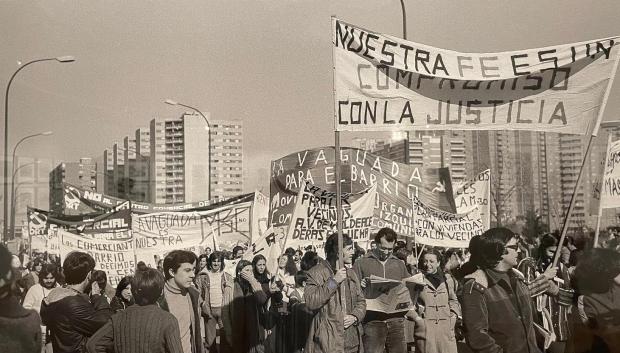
column 387, row 299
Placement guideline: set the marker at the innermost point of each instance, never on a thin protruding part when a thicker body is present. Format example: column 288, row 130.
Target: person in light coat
column 438, row 304
column 334, row 328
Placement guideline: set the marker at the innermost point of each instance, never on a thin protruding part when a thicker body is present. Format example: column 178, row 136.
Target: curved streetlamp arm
column 22, row 140
column 20, row 167
column 61, row 59
column 197, row 111
column 402, row 5
column 171, row 102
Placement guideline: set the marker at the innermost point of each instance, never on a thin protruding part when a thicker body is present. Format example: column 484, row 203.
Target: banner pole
column 338, row 199
column 600, row 201
column 29, row 241
column 556, row 257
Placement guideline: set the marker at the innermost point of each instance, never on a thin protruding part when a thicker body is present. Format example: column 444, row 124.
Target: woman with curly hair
column 440, row 306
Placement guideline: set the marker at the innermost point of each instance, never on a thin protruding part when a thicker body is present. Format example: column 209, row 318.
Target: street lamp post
column 171, row 102
column 60, row 59
column 14, row 196
column 45, row 133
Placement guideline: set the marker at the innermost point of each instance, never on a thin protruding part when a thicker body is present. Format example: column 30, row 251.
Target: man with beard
column 383, row 331
column 48, row 279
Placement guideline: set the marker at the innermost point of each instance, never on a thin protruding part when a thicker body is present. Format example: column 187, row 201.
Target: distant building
column 82, row 174
column 169, row 162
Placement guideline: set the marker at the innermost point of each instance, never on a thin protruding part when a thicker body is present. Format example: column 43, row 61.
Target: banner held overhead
column 384, row 83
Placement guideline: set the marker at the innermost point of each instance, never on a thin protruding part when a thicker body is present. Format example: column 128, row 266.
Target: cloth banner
column 397, row 184
column 114, row 257
column 384, row 83
column 260, row 215
column 43, row 226
column 315, row 215
column 476, row 193
column 156, row 234
column 449, row 230
column 269, row 244
column 610, row 190
column 78, row 201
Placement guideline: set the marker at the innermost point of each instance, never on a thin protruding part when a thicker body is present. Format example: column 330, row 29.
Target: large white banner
column 114, row 257
column 610, row 190
column 314, row 217
column 475, row 193
column 156, row 234
column 384, row 83
column 439, row 228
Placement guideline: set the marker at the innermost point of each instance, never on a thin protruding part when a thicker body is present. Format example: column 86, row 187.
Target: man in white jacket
column 47, row 281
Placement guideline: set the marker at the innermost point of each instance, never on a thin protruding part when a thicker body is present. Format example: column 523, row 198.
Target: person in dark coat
column 20, row 329
column 243, row 327
column 597, row 278
column 70, row 315
column 497, row 312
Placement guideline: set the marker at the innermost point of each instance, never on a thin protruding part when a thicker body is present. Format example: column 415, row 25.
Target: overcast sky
column 267, row 63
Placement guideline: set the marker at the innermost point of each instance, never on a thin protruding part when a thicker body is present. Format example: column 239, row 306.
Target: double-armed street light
column 60, row 59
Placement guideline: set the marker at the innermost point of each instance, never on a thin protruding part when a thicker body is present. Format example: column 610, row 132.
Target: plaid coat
column 498, row 315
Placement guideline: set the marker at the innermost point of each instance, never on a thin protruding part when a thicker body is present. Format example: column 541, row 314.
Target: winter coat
column 327, row 333
column 441, row 309
column 498, row 315
column 20, row 329
column 244, row 328
column 72, row 318
column 393, row 268
column 203, row 282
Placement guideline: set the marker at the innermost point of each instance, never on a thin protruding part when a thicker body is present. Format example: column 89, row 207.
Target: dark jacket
column 243, row 319
column 394, row 268
column 72, row 318
column 20, row 329
column 198, row 309
column 498, row 315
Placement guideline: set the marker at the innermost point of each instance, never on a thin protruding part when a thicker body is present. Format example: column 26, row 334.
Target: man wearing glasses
column 382, row 331
column 497, row 311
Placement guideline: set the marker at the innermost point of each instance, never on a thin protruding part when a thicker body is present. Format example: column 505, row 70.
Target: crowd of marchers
column 502, row 294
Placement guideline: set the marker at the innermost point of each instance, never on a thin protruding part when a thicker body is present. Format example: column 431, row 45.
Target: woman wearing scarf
column 438, row 304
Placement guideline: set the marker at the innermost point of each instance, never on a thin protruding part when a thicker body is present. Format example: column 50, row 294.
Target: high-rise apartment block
column 177, row 160
column 530, row 171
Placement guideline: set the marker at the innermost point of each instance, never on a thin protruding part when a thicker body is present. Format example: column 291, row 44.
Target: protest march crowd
column 502, row 294
column 434, row 278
